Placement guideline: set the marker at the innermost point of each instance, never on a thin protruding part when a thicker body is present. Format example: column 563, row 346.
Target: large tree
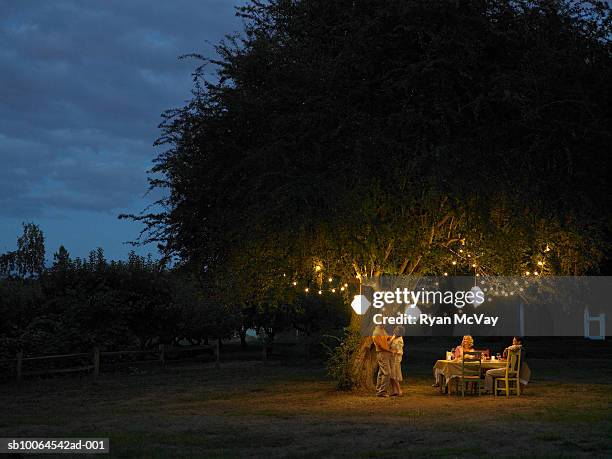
column 359, row 138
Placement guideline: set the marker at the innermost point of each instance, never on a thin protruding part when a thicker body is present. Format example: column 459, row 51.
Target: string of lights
column 460, row 258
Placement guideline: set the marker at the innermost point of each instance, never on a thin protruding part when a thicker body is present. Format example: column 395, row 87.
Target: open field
column 281, row 410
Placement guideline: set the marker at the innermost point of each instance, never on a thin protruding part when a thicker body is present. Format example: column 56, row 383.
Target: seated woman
column 467, row 345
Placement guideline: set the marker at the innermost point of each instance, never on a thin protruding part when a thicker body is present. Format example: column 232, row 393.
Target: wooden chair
column 511, row 379
column 470, row 372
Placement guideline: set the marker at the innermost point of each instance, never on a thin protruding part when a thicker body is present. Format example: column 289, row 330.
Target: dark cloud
column 83, row 85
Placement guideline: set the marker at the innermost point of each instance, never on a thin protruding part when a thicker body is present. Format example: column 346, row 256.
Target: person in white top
column 397, row 347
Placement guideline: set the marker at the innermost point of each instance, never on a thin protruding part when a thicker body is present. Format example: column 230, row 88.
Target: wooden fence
column 91, row 361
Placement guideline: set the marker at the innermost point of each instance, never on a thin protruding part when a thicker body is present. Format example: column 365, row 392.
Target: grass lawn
column 281, row 410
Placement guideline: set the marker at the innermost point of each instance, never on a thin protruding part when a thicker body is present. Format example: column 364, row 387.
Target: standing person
column 383, row 358
column 490, row 375
column 397, row 347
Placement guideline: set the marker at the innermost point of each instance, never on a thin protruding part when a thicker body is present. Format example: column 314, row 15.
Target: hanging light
column 479, row 296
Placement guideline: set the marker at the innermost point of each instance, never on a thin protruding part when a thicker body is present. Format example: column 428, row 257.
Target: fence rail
column 61, row 356
column 95, row 357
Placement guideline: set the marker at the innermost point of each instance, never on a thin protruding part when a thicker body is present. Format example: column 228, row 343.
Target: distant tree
column 29, row 258
column 30, row 255
column 61, row 259
column 202, row 315
column 8, row 264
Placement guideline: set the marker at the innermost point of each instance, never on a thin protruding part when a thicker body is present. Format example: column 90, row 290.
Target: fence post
column 19, row 358
column 96, row 361
column 162, row 354
column 217, row 355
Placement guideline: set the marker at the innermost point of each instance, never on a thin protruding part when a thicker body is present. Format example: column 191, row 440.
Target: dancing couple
column 389, row 352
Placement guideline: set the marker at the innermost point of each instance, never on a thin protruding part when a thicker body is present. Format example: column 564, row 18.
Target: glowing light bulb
column 454, row 262
column 527, row 273
column 320, row 291
column 306, row 290
column 333, row 290
column 329, row 280
column 446, row 274
column 540, row 263
column 294, row 283
column 342, row 289
column 346, row 285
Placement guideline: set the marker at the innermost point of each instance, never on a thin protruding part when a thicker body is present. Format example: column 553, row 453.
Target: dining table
column 445, row 370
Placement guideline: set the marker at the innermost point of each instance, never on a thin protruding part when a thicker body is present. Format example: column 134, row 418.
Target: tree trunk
column 242, row 334
column 364, row 366
column 307, row 347
column 269, row 339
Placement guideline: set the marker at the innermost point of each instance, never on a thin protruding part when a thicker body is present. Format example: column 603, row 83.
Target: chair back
column 513, row 364
column 474, row 361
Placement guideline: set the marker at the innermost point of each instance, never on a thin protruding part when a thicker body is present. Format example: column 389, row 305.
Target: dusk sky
column 83, row 86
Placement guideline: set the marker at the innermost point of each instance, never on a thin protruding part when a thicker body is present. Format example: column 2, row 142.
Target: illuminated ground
column 247, row 409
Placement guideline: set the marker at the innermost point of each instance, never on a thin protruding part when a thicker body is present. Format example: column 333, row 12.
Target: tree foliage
column 376, row 137
column 29, row 258
column 76, row 304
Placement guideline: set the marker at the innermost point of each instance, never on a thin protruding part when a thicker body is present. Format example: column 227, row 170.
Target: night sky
column 83, row 85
